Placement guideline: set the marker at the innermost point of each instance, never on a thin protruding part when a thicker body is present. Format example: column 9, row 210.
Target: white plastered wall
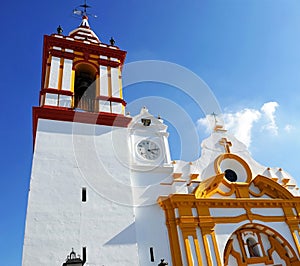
column 69, row 156
column 150, row 218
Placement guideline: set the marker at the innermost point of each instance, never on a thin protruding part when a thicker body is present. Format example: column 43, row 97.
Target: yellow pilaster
column 47, row 75
column 72, row 85
column 197, row 247
column 188, row 250
column 190, row 230
column 120, row 82
column 121, row 87
column 207, row 225
column 206, row 232
column 216, row 248
column 72, row 81
column 293, row 223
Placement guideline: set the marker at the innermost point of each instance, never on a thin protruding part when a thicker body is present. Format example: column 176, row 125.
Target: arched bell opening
column 85, row 87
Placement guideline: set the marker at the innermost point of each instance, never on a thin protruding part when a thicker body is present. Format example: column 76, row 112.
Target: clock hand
column 153, row 151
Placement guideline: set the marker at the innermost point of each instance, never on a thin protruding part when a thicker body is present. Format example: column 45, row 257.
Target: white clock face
column 148, row 149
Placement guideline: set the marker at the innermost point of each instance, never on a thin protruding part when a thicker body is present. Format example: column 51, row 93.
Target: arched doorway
column 257, row 244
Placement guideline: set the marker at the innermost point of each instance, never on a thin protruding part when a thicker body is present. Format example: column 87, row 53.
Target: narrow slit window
column 151, row 254
column 84, row 254
column 83, row 194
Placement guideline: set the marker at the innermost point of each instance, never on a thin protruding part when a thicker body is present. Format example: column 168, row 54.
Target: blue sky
column 247, row 51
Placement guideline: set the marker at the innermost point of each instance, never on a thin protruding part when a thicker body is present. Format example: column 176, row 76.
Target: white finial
column 144, row 109
column 84, row 22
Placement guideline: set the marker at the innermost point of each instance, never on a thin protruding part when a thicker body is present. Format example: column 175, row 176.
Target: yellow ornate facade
column 235, row 217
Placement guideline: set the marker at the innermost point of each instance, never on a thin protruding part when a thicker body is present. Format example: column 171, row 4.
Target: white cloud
column 269, row 110
column 207, row 123
column 240, row 123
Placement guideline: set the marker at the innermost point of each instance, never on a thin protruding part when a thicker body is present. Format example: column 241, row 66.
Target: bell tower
column 80, row 158
column 80, row 73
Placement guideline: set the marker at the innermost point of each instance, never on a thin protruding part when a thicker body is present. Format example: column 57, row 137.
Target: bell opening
column 85, row 88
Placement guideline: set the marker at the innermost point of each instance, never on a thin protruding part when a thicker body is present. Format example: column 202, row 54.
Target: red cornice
column 69, row 115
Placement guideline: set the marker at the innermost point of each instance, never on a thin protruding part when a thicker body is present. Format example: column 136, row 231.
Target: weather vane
column 82, row 10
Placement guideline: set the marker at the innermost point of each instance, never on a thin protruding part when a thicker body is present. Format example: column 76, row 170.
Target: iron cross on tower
column 85, row 7
column 83, row 12
column 215, row 117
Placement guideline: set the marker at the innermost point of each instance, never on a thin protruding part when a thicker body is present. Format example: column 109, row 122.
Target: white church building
column 104, row 184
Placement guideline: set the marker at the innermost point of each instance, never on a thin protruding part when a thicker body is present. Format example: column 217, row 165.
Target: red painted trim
column 59, row 114
column 57, row 107
column 104, row 62
column 62, row 54
column 111, row 99
column 55, row 91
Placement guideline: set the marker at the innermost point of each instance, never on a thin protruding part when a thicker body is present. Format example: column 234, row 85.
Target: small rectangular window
column 151, row 254
column 83, row 194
